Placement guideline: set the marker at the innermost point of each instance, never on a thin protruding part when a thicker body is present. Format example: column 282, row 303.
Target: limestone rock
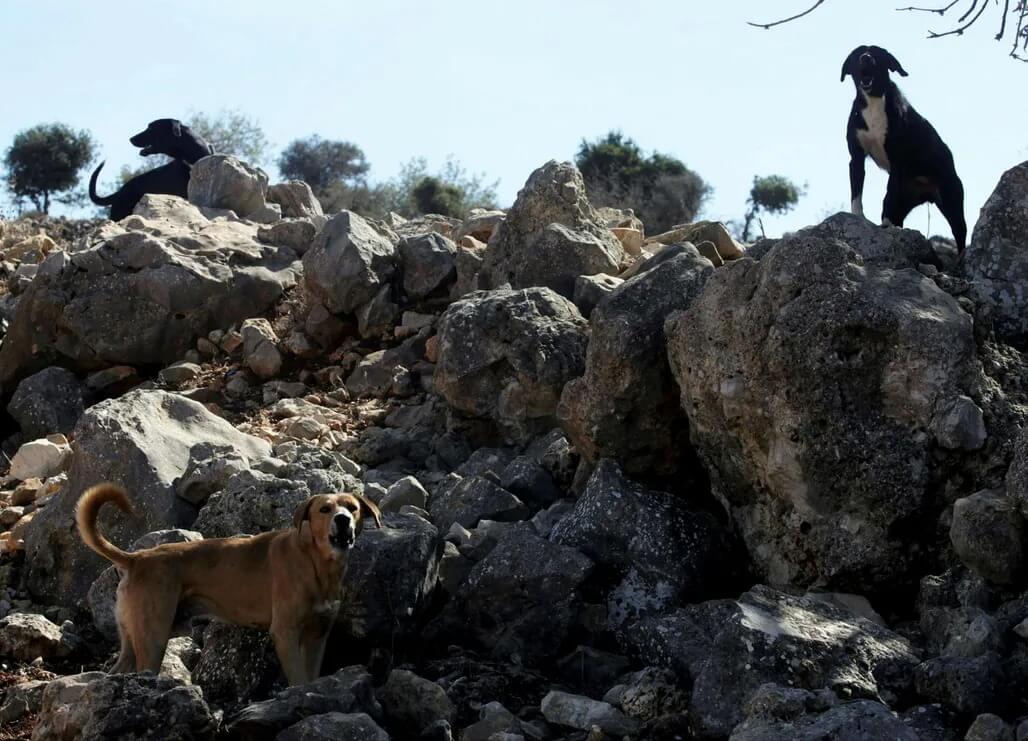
column 224, row 182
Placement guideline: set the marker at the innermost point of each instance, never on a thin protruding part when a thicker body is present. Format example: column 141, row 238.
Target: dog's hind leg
column 149, row 616
column 951, row 203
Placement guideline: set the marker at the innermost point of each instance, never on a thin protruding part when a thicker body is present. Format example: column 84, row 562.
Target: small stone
column 10, row 515
column 989, row 727
column 206, row 347
column 990, row 536
column 575, row 711
column 260, row 351
column 27, row 492
column 406, row 491
column 960, row 425
column 179, row 373
column 237, row 387
column 231, row 342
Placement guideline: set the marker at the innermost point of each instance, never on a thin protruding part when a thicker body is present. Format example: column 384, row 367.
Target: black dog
column 163, row 136
column 884, row 125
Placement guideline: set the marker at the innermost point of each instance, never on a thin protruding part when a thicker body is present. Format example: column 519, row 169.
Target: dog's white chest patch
column 872, row 139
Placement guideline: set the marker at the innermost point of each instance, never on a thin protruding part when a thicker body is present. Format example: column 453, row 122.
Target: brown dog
column 289, row 581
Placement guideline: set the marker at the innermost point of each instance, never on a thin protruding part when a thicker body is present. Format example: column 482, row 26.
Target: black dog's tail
column 98, row 200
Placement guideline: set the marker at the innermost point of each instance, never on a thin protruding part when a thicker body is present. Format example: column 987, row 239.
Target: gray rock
column 223, row 182
column 469, row 263
column 575, row 711
column 729, row 648
column 296, row 234
column 521, row 600
column 334, row 727
column 348, row 263
column 407, row 490
column 996, row 259
column 968, row 685
column 486, row 462
column 390, row 576
column 349, row 690
column 209, row 468
column 626, row 406
column 142, row 292
column 143, row 441
column 296, row 199
column 990, row 536
column 260, row 348
column 26, row 637
column 377, row 317
column 591, row 672
column 960, row 631
column 530, row 482
column 179, row 373
column 469, row 500
column 40, row 459
column 254, row 502
column 959, row 425
column 20, row 700
column 891, row 247
column 649, row 694
column 505, row 356
column 480, row 224
column 410, row 703
column 1017, row 474
column 47, row 402
column 429, row 263
column 989, row 727
column 862, row 720
column 814, row 369
column 590, row 290
column 103, row 592
column 659, row 553
column 236, row 664
column 134, row 707
column 551, row 235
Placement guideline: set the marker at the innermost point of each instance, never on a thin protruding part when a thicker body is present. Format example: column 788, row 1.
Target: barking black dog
column 885, row 126
column 163, row 136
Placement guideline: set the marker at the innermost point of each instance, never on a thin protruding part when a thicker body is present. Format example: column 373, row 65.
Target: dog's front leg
column 290, row 656
column 857, row 182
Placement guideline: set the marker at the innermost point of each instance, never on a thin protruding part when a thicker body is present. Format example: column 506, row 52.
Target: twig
column 1003, row 22
column 970, row 10
column 808, row 11
column 940, row 11
column 960, row 31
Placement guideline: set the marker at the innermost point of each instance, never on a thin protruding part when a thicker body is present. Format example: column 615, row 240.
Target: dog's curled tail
column 97, row 199
column 88, row 510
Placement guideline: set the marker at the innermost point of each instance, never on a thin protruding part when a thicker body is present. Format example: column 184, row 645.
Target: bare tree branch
column 808, row 11
column 960, row 31
column 975, row 9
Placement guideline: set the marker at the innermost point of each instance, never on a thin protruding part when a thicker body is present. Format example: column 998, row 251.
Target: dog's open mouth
column 146, row 151
column 866, row 82
column 342, row 541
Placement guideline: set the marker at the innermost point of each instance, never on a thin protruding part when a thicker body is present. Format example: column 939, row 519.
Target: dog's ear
column 892, row 62
column 176, row 128
column 370, row 508
column 850, row 65
column 302, row 513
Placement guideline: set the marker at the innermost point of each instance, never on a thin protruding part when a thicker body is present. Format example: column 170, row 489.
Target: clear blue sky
column 506, row 86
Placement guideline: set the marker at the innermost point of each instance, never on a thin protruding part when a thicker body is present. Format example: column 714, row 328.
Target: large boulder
column 890, row 247
column 1017, row 474
column 506, row 355
column 729, row 648
column 996, row 260
column 550, row 236
column 990, row 536
column 223, row 182
column 818, row 391
column 47, row 402
column 522, row 599
column 296, row 199
column 800, row 715
column 142, row 291
column 134, row 707
column 348, row 263
column 390, row 577
column 349, row 690
column 429, row 264
column 625, row 406
column 658, row 552
column 141, row 441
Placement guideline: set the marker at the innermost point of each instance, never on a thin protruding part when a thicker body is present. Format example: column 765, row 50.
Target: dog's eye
column 326, row 509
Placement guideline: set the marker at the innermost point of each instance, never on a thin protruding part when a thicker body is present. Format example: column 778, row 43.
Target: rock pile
column 646, row 487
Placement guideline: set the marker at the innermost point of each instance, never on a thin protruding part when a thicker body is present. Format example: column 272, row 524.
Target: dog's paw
column 886, row 222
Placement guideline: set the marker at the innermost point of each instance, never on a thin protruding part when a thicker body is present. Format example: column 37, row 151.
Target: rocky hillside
column 635, row 486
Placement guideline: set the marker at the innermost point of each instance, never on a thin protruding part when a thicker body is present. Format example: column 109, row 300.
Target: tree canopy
column 774, row 194
column 45, row 160
column 661, row 190
column 232, row 132
column 322, row 163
